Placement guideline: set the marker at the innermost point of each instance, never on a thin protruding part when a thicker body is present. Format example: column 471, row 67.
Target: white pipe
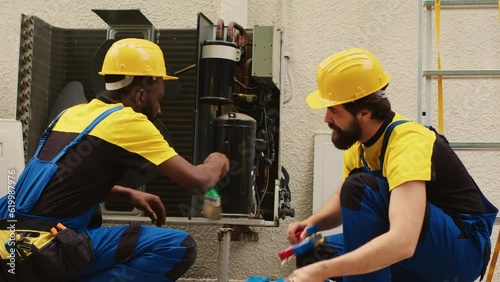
column 223, row 274
column 428, row 63
column 420, row 58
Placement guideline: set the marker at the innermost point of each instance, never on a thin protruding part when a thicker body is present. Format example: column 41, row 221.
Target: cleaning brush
column 212, row 204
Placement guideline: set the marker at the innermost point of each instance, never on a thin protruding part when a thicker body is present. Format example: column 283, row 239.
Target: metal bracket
column 244, row 234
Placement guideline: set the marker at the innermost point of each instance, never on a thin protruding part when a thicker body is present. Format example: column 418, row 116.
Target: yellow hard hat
column 347, row 76
column 135, row 57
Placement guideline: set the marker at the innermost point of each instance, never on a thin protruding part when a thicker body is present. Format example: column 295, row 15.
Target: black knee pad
column 191, row 250
column 353, row 187
column 318, row 253
column 187, row 260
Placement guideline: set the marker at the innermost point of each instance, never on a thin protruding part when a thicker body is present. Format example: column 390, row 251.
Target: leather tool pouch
column 35, row 255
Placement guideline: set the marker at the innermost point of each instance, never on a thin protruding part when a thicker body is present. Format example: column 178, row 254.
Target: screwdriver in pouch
column 59, row 227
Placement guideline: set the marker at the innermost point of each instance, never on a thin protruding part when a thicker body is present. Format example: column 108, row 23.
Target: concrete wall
column 314, row 30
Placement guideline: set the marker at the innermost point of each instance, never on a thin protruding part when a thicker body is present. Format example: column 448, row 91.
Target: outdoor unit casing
column 11, row 153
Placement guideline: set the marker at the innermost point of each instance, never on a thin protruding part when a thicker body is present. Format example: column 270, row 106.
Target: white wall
column 313, row 30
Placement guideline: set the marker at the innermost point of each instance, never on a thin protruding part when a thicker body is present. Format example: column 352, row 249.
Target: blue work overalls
column 119, row 253
column 444, row 252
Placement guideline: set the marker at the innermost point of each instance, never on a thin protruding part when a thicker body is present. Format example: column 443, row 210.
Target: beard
column 149, row 112
column 343, row 139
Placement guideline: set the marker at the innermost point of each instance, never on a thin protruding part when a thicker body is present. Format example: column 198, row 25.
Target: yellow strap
column 437, row 9
column 499, row 9
column 493, row 262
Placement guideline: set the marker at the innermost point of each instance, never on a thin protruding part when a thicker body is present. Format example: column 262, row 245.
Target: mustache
column 333, row 127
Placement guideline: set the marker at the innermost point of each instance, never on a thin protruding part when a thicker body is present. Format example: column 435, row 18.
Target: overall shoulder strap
column 86, row 131
column 387, row 134
column 46, row 133
column 437, row 133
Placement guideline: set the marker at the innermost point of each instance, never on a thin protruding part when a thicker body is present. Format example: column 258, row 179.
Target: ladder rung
column 462, row 2
column 476, row 146
column 491, row 72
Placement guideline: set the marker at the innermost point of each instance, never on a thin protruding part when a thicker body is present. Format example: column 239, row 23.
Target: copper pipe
column 242, row 37
column 219, row 34
column 237, row 37
column 247, row 69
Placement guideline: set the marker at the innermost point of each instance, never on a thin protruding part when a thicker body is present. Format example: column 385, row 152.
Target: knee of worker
column 187, row 260
column 318, row 253
column 353, row 188
column 191, row 250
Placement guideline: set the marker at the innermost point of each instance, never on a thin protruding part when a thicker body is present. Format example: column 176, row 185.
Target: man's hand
column 293, row 228
column 221, row 159
column 150, row 204
column 310, row 273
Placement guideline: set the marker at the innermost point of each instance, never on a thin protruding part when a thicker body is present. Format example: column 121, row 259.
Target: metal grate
column 25, row 73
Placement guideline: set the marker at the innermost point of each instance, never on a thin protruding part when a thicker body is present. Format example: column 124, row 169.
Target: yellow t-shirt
column 407, row 158
column 123, row 140
column 125, row 128
column 416, row 153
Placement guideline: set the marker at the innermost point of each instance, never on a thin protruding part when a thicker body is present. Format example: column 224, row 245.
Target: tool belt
column 35, row 250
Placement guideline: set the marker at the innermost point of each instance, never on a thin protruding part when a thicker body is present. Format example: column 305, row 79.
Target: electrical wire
column 265, row 97
column 243, row 85
column 290, row 81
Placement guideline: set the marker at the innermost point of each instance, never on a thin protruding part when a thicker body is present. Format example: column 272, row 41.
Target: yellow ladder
column 427, row 74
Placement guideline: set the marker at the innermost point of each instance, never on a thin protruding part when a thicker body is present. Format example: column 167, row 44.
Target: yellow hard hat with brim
column 347, row 76
column 135, row 57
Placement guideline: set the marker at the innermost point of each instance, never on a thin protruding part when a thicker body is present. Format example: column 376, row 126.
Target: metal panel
column 24, row 77
column 328, row 172
column 462, row 73
column 48, row 68
column 202, row 111
column 462, row 2
column 193, row 221
column 179, row 48
column 262, row 60
column 266, row 55
column 476, row 146
column 123, row 17
column 11, row 154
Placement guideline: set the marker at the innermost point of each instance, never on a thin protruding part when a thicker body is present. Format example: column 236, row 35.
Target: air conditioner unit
column 11, row 153
column 328, row 170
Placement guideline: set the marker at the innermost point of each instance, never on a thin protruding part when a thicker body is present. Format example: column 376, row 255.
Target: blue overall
column 444, row 252
column 157, row 254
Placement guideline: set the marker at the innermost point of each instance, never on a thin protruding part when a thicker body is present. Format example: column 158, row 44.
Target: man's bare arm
column 196, row 178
